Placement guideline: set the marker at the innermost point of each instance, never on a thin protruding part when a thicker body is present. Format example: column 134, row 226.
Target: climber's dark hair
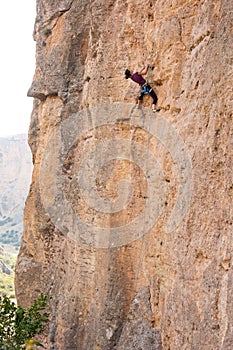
column 127, row 74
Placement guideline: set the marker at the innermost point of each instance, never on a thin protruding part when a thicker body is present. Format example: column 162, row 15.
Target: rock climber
column 145, row 88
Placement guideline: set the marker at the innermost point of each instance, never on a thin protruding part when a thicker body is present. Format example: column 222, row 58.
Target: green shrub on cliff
column 18, row 326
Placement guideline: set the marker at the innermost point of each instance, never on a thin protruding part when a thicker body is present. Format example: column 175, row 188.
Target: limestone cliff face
column 140, row 286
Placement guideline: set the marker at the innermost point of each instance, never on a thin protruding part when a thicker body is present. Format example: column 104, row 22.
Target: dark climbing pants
column 145, row 90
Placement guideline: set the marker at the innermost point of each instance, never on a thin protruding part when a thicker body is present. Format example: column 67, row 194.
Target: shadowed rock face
column 159, row 289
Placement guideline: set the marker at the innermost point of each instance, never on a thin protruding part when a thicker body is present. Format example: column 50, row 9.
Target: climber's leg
column 155, row 100
column 140, row 98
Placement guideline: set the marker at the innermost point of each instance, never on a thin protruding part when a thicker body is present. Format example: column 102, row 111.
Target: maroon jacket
column 137, row 78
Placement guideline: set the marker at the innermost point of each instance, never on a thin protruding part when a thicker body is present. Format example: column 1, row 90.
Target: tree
column 18, row 326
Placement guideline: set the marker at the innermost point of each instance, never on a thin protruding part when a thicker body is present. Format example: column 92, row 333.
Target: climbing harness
column 145, row 89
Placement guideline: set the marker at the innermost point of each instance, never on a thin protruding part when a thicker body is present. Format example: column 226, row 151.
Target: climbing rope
column 138, row 269
column 146, row 167
column 149, row 73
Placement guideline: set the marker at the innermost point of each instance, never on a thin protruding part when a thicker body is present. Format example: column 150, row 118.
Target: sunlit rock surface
column 164, row 289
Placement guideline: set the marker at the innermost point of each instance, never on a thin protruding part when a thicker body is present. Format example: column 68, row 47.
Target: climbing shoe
column 155, row 110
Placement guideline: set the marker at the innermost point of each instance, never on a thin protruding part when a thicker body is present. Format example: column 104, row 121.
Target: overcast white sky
column 17, row 64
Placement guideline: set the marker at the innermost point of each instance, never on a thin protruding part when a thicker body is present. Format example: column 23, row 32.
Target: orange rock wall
column 162, row 290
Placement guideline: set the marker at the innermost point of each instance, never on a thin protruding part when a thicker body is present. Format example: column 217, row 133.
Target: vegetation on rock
column 19, row 326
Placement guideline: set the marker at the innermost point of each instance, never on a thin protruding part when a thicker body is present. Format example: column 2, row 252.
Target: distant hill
column 15, row 177
column 7, row 265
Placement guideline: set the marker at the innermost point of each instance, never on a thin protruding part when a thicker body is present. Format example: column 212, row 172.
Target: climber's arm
column 144, row 70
